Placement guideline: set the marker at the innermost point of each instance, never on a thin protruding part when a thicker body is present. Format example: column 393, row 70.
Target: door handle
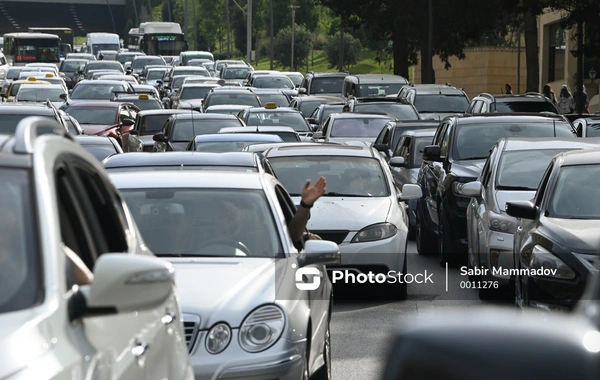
column 140, row 348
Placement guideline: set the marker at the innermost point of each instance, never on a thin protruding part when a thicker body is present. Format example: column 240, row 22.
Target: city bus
column 65, row 34
column 161, row 38
column 23, row 48
column 133, row 41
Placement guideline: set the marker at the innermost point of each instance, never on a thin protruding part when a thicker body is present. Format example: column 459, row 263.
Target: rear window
column 525, row 107
column 100, row 151
column 186, row 130
column 9, row 123
column 232, row 99
column 593, row 130
column 441, row 103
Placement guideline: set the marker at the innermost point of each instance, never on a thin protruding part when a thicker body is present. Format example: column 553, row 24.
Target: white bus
column 23, row 48
column 96, row 42
column 161, row 38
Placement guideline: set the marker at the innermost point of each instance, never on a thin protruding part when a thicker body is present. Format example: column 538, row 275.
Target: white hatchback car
column 362, row 209
column 62, row 218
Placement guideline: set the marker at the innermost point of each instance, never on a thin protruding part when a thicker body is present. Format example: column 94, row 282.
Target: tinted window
column 140, row 63
column 147, row 104
column 39, row 94
column 94, row 115
column 380, row 89
column 9, row 123
column 233, row 99
column 287, row 119
column 207, row 222
column 72, row 66
column 186, row 130
column 235, row 73
column 194, row 92
column 20, row 278
column 474, row 141
column 95, row 91
column 270, row 81
column 513, row 175
column 13, row 73
column 287, row 136
column 525, row 107
column 96, row 65
column 332, row 85
column 100, row 151
column 353, row 176
column 399, row 111
column 152, row 124
column 362, row 127
column 441, row 103
column 308, row 107
column 593, row 130
column 571, row 197
column 156, row 74
column 417, row 152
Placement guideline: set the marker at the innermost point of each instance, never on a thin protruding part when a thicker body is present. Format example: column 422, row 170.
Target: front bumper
column 549, row 294
column 281, row 361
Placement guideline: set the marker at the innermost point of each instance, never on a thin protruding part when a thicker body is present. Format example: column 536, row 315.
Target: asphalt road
column 360, row 329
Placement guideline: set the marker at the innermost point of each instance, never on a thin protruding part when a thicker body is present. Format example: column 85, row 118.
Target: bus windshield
column 163, row 44
column 28, row 50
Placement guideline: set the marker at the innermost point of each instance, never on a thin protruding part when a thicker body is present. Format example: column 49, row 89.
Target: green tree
column 352, row 49
column 283, row 46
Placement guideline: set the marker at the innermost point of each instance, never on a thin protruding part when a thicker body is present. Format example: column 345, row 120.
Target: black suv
column 435, row 101
column 460, row 148
column 530, row 102
column 322, row 83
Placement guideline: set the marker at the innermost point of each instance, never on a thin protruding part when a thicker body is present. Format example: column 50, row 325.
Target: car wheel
column 446, row 248
column 426, row 241
column 324, row 373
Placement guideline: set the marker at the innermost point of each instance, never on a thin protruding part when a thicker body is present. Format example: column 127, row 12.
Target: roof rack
column 31, row 127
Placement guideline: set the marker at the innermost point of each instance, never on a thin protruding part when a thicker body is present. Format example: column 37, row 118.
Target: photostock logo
column 301, row 272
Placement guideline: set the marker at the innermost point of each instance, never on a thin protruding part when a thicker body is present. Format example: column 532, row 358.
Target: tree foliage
column 352, row 49
column 283, row 46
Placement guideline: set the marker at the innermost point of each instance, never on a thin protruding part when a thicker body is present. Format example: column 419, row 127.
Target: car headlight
column 375, row 232
column 542, row 258
column 501, row 223
column 261, row 328
column 218, row 338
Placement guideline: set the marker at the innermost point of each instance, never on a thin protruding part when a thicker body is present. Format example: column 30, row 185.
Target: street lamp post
column 294, row 7
column 249, row 33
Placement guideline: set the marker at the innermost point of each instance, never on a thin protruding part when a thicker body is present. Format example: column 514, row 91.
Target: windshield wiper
column 525, row 188
column 336, row 194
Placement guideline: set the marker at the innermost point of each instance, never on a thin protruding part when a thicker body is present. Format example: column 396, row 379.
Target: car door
column 477, row 227
column 431, row 175
column 161, row 146
column 403, row 174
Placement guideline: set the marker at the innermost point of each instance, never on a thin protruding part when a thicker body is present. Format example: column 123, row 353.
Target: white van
column 96, row 42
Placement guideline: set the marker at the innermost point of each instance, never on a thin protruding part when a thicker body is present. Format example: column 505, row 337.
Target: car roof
column 200, row 85
column 204, row 116
column 185, row 158
column 25, row 108
column 377, row 78
column 267, row 146
column 427, row 132
column 37, row 81
column 181, row 179
column 321, row 150
column 41, row 85
column 436, row 89
column 259, row 129
column 101, row 81
column 236, row 91
column 162, row 111
column 537, row 143
column 266, row 91
column 317, row 98
column 96, row 104
column 93, row 140
column 417, row 123
column 359, row 115
column 508, row 117
column 521, row 98
column 250, row 137
column 580, row 157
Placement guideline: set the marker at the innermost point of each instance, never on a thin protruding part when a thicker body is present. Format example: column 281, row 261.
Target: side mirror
column 432, row 153
column 159, row 137
column 521, row 209
column 80, row 72
column 381, row 147
column 127, row 123
column 302, row 90
column 159, row 82
column 410, row 191
column 397, row 162
column 127, row 72
column 310, row 120
column 471, row 189
column 320, row 252
column 314, row 127
column 124, row 284
column 63, row 96
column 317, row 135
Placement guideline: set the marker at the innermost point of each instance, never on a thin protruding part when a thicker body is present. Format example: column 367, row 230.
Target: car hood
column 17, row 328
column 574, row 234
column 96, row 129
column 503, row 196
column 341, row 213
column 226, row 289
column 190, row 103
column 437, row 115
column 467, row 170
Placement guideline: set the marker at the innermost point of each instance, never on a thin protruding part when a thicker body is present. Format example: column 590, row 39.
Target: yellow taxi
column 14, row 86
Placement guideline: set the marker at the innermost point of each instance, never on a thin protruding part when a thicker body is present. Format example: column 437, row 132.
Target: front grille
column 336, row 236
column 191, row 323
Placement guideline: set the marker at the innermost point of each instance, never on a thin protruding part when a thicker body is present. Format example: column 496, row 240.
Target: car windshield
column 197, row 72
column 474, row 141
column 399, row 111
column 235, row 72
column 72, row 66
column 103, row 65
column 346, row 175
column 571, row 198
column 156, row 74
column 325, row 85
column 140, row 63
column 147, row 104
column 521, row 106
column 417, row 153
column 39, row 94
column 194, row 92
column 100, row 151
column 94, row 115
column 441, row 103
column 270, row 81
column 325, row 112
column 593, row 130
column 152, row 124
column 222, row 146
column 295, row 78
column 359, row 127
column 205, row 222
column 279, row 99
column 20, row 280
column 186, row 130
column 95, row 91
column 513, row 175
column 233, row 99
column 287, row 119
column 380, row 89
column 14, row 73
column 9, row 123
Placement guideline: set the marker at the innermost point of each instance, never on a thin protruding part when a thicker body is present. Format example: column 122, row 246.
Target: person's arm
column 83, row 276
column 310, row 194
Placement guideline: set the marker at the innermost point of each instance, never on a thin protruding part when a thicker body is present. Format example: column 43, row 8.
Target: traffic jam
column 173, row 216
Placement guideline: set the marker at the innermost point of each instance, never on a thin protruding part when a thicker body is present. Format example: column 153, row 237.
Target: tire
column 324, row 373
column 426, row 241
column 446, row 249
